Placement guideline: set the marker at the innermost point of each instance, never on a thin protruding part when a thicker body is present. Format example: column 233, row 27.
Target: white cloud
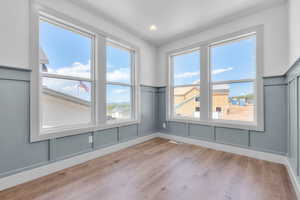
column 197, row 81
column 118, row 75
column 120, row 91
column 77, row 69
column 219, row 71
column 221, row 87
column 187, row 75
column 192, row 74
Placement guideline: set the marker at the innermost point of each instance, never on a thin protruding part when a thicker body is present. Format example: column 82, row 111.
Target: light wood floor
column 160, row 170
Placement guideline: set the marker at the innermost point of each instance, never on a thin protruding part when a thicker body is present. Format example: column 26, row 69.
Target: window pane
column 234, row 60
column 118, row 64
column 64, row 52
column 233, row 101
column 186, row 68
column 187, row 101
column 118, row 102
column 65, row 102
column 75, row 89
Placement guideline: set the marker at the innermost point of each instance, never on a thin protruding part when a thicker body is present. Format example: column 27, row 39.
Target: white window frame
column 98, row 77
column 172, row 86
column 131, row 85
column 91, row 80
column 205, row 83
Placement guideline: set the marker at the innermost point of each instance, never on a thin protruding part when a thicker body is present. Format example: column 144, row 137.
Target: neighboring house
column 60, row 109
column 119, row 112
column 187, row 103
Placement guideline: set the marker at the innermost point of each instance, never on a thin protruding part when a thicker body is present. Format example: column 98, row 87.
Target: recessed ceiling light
column 153, row 28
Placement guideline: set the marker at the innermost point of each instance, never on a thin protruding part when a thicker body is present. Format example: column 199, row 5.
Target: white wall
column 294, row 24
column 14, row 33
column 275, row 40
column 14, row 40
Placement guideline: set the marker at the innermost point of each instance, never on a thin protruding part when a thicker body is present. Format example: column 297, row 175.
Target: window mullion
column 170, row 107
column 204, row 84
column 119, row 83
column 100, row 83
column 133, row 86
column 233, row 81
column 66, row 77
column 187, row 85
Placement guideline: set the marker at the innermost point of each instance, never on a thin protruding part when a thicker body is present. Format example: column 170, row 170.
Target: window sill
column 221, row 124
column 58, row 133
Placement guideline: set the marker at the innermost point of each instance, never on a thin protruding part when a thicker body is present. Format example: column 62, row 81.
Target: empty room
column 149, row 100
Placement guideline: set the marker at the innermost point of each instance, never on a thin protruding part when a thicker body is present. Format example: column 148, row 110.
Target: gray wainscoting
column 18, row 154
column 273, row 139
column 149, row 110
column 293, row 77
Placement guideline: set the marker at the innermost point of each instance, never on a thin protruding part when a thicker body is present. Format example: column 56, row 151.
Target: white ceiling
column 173, row 18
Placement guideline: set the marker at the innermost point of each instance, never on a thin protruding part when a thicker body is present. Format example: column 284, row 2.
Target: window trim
column 205, row 96
column 98, row 58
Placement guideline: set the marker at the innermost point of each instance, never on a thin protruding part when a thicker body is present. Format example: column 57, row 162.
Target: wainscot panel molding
column 17, row 154
column 13, row 73
column 293, row 138
column 273, row 139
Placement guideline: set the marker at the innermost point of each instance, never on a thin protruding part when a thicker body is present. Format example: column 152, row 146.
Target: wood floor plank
column 161, row 170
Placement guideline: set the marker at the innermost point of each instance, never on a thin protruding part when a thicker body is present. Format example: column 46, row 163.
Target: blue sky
column 63, row 47
column 232, row 61
column 69, row 53
column 186, row 68
column 237, row 57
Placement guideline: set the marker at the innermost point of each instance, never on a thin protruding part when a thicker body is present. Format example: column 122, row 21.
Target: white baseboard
column 293, row 178
column 38, row 172
column 228, row 148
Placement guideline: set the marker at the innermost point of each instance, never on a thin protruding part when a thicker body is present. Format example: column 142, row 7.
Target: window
column 223, row 76
column 186, row 84
column 66, row 75
column 119, row 82
column 81, row 82
column 233, row 72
